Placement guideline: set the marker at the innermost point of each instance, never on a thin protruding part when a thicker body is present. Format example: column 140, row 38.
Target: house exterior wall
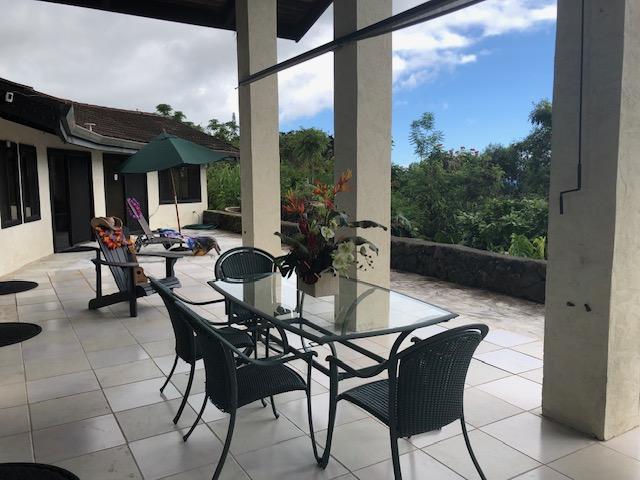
column 28, row 242
column 164, row 216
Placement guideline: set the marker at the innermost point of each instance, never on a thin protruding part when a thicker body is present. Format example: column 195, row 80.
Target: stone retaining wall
column 515, row 276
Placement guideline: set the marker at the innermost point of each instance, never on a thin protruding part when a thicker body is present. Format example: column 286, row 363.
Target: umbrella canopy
column 168, row 151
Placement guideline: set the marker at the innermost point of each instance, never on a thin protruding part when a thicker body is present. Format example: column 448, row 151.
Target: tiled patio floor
column 84, row 395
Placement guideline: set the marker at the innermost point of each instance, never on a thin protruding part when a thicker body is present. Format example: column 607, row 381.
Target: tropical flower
column 327, row 233
column 317, row 247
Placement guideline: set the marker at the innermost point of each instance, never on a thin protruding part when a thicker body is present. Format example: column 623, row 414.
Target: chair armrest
column 80, row 249
column 115, row 264
column 164, row 254
column 366, row 372
column 269, row 361
column 191, row 302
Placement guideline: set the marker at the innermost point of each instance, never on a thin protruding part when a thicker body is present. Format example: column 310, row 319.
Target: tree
column 164, row 109
column 424, row 137
column 179, row 116
column 309, row 151
column 227, row 131
column 167, row 110
column 535, row 151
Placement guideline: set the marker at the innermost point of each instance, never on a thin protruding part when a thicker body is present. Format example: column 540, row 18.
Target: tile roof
column 109, row 122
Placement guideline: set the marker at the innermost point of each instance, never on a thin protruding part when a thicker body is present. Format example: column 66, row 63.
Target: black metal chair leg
column 395, row 457
column 204, row 404
column 273, row 408
column 175, row 362
column 473, row 457
column 255, row 354
column 333, row 404
column 227, row 444
column 186, row 393
column 314, row 445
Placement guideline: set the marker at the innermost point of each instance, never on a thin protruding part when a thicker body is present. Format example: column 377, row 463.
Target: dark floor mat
column 16, row 286
column 13, row 332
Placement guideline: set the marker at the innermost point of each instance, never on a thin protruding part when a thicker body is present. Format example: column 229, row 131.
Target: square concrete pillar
column 362, row 124
column 259, row 140
column 592, row 330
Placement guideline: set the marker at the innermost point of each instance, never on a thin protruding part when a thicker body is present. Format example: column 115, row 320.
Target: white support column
column 592, row 331
column 259, row 143
column 362, row 124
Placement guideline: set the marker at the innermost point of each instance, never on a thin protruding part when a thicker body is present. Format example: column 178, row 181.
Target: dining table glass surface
column 357, row 310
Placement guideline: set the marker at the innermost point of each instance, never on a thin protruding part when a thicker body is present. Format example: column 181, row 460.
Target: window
column 10, row 211
column 187, row 181
column 30, row 188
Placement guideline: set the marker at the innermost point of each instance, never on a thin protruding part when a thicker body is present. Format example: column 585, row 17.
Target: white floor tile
column 362, row 443
column 165, row 455
column 256, row 428
column 75, row 439
column 598, row 463
column 138, row 394
column 497, row 460
column 290, row 459
column 518, row 391
column 413, row 465
column 538, row 437
column 111, row 464
column 628, row 443
column 510, row 360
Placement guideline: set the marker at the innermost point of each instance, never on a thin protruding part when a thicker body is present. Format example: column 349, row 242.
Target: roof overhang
column 295, row 17
column 76, row 135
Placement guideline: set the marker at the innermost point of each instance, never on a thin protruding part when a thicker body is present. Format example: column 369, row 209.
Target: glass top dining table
column 357, row 310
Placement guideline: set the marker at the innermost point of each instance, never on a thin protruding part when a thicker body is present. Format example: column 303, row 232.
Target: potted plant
column 324, row 246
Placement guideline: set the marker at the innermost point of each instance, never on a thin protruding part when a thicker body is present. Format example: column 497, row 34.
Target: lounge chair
column 148, row 236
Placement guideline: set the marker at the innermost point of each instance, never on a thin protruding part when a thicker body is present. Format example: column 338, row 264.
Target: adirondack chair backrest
column 119, row 255
column 140, row 218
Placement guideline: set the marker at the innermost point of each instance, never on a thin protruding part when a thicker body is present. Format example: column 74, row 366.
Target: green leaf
column 366, row 224
column 292, row 242
column 358, row 241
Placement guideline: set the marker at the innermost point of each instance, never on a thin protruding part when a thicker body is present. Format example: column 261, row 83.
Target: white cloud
column 132, row 62
column 423, row 51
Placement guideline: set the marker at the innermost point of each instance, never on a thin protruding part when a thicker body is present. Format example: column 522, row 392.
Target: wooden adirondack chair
column 124, row 266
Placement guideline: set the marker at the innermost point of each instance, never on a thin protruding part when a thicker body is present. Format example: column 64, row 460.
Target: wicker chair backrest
column 241, row 261
column 185, row 345
column 117, row 255
column 219, row 363
column 431, row 377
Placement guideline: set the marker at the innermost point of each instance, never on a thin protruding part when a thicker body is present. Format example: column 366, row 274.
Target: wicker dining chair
column 424, row 391
column 238, row 263
column 230, row 386
column 186, row 349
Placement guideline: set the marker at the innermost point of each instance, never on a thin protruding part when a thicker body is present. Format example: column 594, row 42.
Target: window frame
column 35, row 184
column 167, row 198
column 4, row 171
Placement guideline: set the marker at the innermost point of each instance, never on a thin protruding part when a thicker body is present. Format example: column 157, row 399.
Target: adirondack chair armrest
column 115, row 264
column 81, row 248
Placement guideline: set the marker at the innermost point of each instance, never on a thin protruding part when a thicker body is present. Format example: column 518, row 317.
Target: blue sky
column 477, row 103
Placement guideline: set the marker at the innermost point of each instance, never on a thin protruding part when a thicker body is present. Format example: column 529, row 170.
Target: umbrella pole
column 175, row 199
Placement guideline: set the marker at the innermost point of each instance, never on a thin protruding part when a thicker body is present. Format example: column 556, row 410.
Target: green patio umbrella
column 168, row 151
